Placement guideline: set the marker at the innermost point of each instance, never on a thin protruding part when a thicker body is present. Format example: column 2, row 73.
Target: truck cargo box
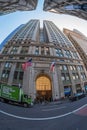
column 11, row 93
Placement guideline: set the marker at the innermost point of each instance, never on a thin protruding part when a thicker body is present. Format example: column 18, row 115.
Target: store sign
column 67, row 90
column 86, row 87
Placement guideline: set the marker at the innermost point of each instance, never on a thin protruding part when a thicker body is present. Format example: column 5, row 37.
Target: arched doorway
column 43, row 88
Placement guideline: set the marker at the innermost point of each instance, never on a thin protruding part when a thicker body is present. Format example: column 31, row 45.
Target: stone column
column 11, row 75
column 9, row 50
column 32, row 89
column 30, row 50
column 55, row 85
column 33, row 48
column 81, row 81
column 28, row 84
column 19, row 50
column 61, row 86
column 51, row 51
column 45, row 50
column 40, row 50
column 1, row 69
column 73, row 89
column 26, row 81
column 2, row 50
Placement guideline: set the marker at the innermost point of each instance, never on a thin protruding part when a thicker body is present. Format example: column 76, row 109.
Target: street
column 58, row 116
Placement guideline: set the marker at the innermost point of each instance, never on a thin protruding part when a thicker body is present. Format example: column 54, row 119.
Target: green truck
column 14, row 95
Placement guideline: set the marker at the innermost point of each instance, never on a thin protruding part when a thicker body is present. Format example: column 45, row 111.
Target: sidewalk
column 54, row 102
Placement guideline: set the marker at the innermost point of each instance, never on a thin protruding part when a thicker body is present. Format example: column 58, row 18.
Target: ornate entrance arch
column 43, row 88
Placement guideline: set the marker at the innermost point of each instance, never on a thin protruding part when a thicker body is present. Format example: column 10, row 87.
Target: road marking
column 51, row 109
column 79, row 108
column 35, row 119
column 82, row 111
column 42, row 119
column 50, row 106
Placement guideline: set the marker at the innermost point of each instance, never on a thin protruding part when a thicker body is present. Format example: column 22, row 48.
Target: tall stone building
column 9, row 6
column 71, row 7
column 45, row 46
column 80, row 43
column 9, row 36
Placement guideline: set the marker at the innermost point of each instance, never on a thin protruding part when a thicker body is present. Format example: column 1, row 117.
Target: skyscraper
column 71, row 7
column 9, row 6
column 9, row 36
column 47, row 47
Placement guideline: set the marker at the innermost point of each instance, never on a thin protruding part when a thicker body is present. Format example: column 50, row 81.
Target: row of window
column 72, row 67
column 18, row 74
column 27, row 31
column 61, row 67
column 75, row 76
column 66, row 53
column 57, row 36
column 44, row 51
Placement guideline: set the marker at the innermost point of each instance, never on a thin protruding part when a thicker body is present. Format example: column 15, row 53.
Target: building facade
column 9, row 36
column 9, row 6
column 71, row 7
column 80, row 43
column 45, row 46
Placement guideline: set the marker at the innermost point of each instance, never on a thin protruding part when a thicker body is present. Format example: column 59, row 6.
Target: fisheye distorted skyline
column 11, row 21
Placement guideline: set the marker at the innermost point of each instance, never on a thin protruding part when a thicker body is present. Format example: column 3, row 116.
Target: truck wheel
column 25, row 105
column 2, row 100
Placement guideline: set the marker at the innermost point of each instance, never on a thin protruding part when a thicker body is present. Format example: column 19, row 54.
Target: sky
column 11, row 21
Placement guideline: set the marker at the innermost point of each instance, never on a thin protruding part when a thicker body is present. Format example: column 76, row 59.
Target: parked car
column 77, row 96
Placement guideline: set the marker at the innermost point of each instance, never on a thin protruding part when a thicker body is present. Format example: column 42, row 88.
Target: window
column 60, row 67
column 63, row 67
column 8, row 65
column 43, row 83
column 72, row 67
column 5, row 74
column 63, row 77
column 14, row 50
column 24, row 50
column 11, row 57
column 83, row 76
column 67, row 54
column 59, row 52
column 37, row 51
column 75, row 55
column 22, row 58
column 73, row 76
column 67, row 76
column 77, row 76
column 19, row 66
column 15, row 75
column 5, row 51
column 80, row 67
column 21, row 75
column 18, row 75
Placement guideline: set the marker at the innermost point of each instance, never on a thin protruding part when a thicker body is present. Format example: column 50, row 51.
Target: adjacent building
column 9, row 6
column 71, row 7
column 45, row 46
column 80, row 43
